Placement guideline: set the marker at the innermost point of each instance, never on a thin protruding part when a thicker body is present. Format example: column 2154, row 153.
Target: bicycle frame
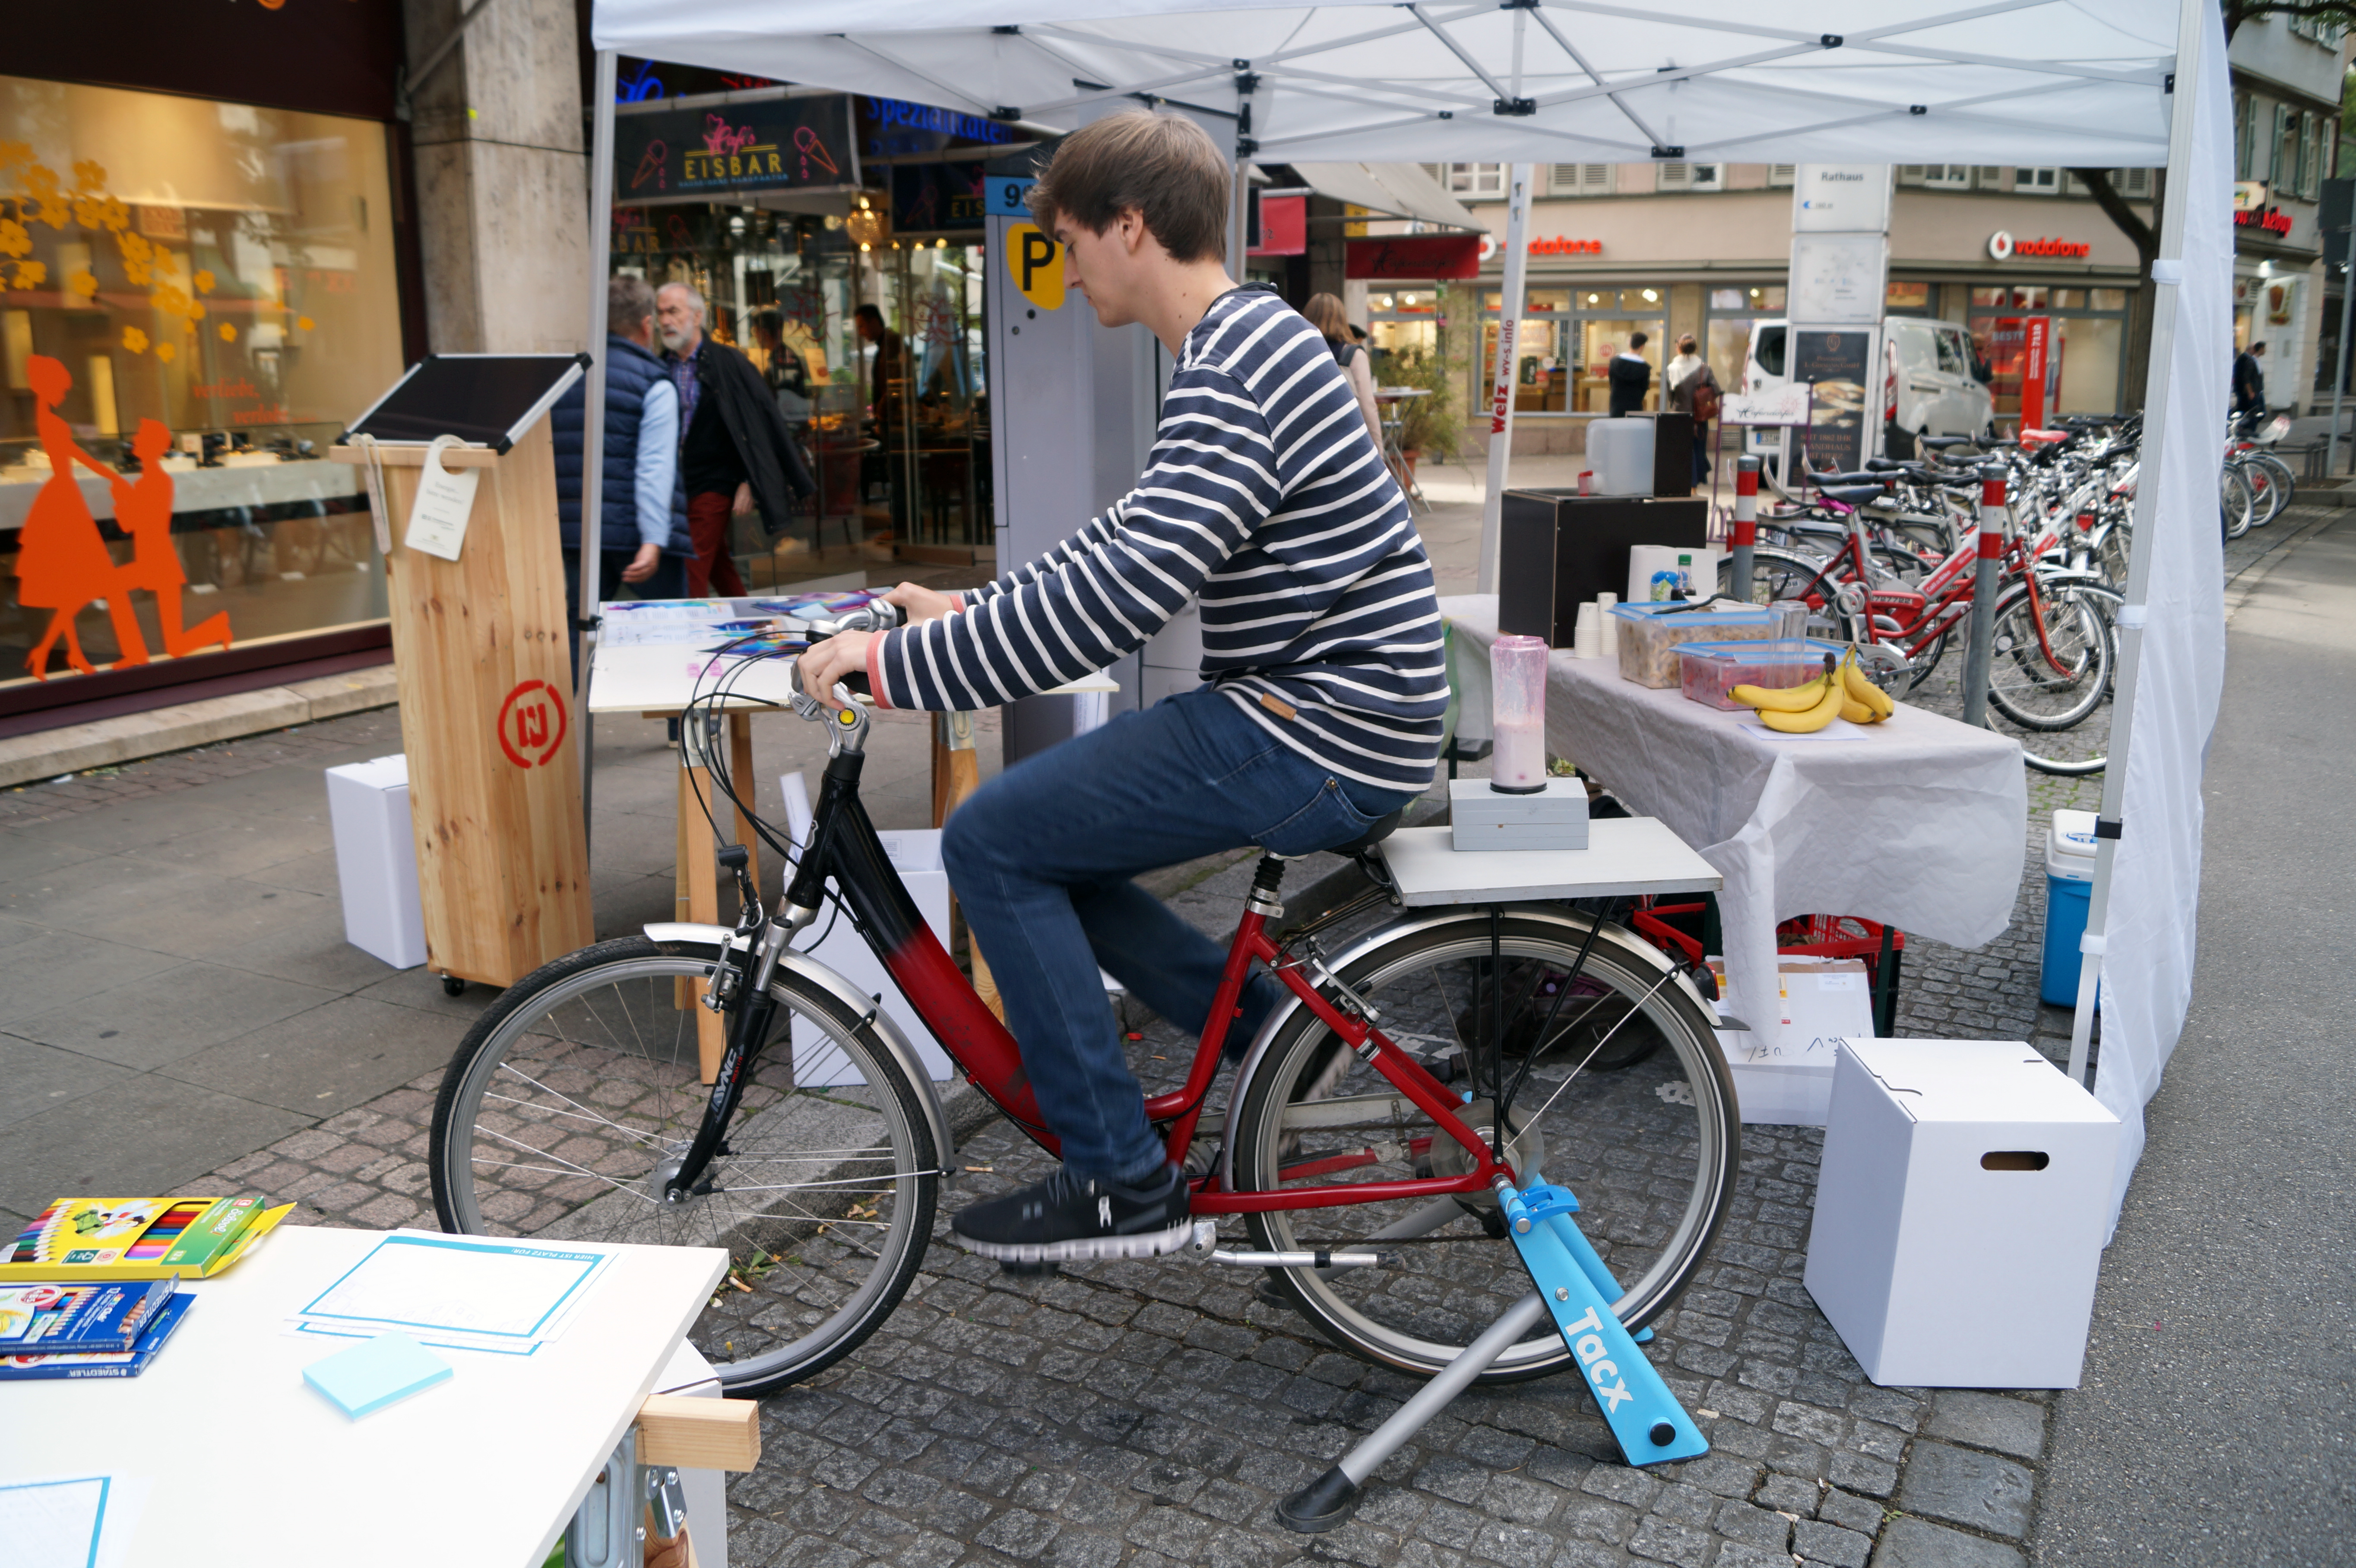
column 843, row 845
column 1946, row 595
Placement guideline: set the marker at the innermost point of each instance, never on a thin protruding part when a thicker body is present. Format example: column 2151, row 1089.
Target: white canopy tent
column 2037, row 82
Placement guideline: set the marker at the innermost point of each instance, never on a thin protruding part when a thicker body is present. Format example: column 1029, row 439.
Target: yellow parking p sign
column 1035, row 262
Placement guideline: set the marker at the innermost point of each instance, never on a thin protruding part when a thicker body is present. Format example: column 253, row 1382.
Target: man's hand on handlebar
column 922, row 604
column 834, row 658
column 842, row 656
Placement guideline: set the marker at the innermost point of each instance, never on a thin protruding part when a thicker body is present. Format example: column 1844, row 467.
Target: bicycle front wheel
column 1627, row 1102
column 2051, row 661
column 2240, row 507
column 570, row 1102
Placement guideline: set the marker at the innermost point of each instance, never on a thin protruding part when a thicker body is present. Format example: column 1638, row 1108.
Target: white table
column 1917, row 823
column 243, row 1462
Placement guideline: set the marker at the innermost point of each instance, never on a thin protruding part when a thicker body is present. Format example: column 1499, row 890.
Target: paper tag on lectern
column 445, row 498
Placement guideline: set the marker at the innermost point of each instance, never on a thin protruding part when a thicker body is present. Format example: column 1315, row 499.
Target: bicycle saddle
column 1885, row 465
column 1382, row 828
column 1941, row 443
column 1853, row 477
column 1853, row 495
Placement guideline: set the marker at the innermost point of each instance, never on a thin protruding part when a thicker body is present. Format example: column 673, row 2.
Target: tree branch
column 2114, row 208
column 2240, row 11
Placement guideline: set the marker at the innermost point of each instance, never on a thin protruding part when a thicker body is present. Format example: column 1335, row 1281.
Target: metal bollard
column 1978, row 652
column 1746, row 527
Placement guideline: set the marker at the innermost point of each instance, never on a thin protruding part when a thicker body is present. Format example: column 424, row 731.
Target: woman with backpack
column 1693, row 390
column 1325, row 314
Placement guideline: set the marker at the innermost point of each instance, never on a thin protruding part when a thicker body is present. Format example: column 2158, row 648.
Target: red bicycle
column 2053, row 651
column 1357, row 1148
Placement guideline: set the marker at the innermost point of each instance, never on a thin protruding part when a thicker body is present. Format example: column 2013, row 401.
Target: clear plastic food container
column 1649, row 635
column 1711, row 670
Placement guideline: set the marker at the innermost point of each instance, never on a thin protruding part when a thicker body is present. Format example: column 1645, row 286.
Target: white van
column 1929, row 385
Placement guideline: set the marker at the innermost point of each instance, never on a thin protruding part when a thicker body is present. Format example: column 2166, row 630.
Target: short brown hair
column 1328, row 315
column 628, row 301
column 1163, row 166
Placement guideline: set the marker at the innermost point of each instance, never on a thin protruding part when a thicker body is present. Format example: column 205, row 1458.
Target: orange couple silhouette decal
column 62, row 561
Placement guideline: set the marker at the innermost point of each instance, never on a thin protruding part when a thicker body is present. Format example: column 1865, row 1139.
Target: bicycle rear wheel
column 2270, row 484
column 1628, row 1103
column 570, row 1100
column 2053, row 681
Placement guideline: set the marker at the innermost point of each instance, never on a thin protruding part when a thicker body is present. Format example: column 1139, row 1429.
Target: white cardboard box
column 1783, row 1065
column 916, row 853
column 376, row 859
column 1960, row 1214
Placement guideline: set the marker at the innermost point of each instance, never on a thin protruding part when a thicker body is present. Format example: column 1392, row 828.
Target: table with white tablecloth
column 1917, row 823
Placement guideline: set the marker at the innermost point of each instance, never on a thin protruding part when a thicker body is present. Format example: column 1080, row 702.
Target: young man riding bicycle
column 1267, row 501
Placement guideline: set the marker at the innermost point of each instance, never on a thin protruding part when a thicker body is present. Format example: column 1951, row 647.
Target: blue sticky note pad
column 367, row 1377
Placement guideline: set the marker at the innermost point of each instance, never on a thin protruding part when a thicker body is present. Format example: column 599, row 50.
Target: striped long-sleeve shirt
column 1268, row 502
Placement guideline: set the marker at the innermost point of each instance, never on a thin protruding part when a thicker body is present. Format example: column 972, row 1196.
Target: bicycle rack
column 1574, row 1285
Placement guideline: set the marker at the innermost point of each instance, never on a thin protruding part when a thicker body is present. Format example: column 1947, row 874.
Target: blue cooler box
column 2069, row 887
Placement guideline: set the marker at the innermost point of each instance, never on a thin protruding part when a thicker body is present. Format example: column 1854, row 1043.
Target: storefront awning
column 1392, row 190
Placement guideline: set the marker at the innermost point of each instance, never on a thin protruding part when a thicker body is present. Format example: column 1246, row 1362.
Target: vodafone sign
column 2003, row 247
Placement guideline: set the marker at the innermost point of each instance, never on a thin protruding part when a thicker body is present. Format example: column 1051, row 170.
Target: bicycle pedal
column 1044, row 1269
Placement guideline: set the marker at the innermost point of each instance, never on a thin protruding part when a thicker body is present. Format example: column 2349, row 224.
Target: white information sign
column 1785, row 404
column 1840, row 198
column 1837, row 279
column 445, row 498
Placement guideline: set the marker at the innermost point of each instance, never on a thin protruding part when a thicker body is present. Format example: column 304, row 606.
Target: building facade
column 1674, row 248
column 2288, row 72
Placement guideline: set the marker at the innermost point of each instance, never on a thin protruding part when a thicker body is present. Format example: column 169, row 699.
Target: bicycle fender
column 1618, row 938
column 861, row 1005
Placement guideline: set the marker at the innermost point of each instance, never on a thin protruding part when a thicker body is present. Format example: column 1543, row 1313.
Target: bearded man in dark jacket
column 735, row 454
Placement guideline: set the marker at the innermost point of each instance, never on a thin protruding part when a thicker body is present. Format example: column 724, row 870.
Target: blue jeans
column 1042, row 856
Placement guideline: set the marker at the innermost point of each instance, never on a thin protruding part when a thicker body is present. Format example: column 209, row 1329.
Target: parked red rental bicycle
column 2052, row 649
column 1356, row 1147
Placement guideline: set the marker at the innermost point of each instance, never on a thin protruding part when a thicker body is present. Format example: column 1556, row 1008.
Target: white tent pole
column 1501, row 398
column 2159, row 418
column 593, row 395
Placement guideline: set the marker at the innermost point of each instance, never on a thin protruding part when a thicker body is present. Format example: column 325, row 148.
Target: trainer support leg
column 1326, row 1502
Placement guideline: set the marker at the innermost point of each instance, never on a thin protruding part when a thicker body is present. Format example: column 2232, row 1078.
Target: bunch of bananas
column 1842, row 692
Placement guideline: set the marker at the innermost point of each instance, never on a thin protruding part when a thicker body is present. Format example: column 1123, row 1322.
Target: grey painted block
column 1482, row 818
column 1918, row 1544
column 1964, row 1487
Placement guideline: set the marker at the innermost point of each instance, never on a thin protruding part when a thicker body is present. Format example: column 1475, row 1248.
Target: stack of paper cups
column 1609, row 624
column 1587, row 637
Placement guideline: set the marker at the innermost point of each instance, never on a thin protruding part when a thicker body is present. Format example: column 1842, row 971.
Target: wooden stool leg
column 957, row 773
column 698, row 873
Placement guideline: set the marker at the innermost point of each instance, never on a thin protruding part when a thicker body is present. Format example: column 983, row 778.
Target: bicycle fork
column 739, row 991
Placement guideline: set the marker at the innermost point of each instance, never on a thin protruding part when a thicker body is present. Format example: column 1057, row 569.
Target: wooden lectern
column 481, row 655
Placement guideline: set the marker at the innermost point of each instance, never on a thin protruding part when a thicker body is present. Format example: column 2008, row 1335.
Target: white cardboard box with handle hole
column 1961, row 1211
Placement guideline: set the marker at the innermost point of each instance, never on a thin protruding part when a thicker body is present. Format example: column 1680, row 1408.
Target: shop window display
column 876, row 357
column 2086, row 352
column 195, row 296
column 1730, row 315
column 1566, row 338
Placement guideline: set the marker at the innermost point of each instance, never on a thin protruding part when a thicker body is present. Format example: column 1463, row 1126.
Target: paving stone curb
column 131, row 737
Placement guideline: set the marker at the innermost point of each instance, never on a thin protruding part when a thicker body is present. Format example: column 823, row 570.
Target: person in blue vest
column 643, row 540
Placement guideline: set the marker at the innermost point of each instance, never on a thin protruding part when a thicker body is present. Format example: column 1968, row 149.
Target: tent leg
column 593, row 411
column 2160, row 415
column 1500, row 399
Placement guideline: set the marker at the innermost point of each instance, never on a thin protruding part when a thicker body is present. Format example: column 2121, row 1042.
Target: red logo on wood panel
column 531, row 723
